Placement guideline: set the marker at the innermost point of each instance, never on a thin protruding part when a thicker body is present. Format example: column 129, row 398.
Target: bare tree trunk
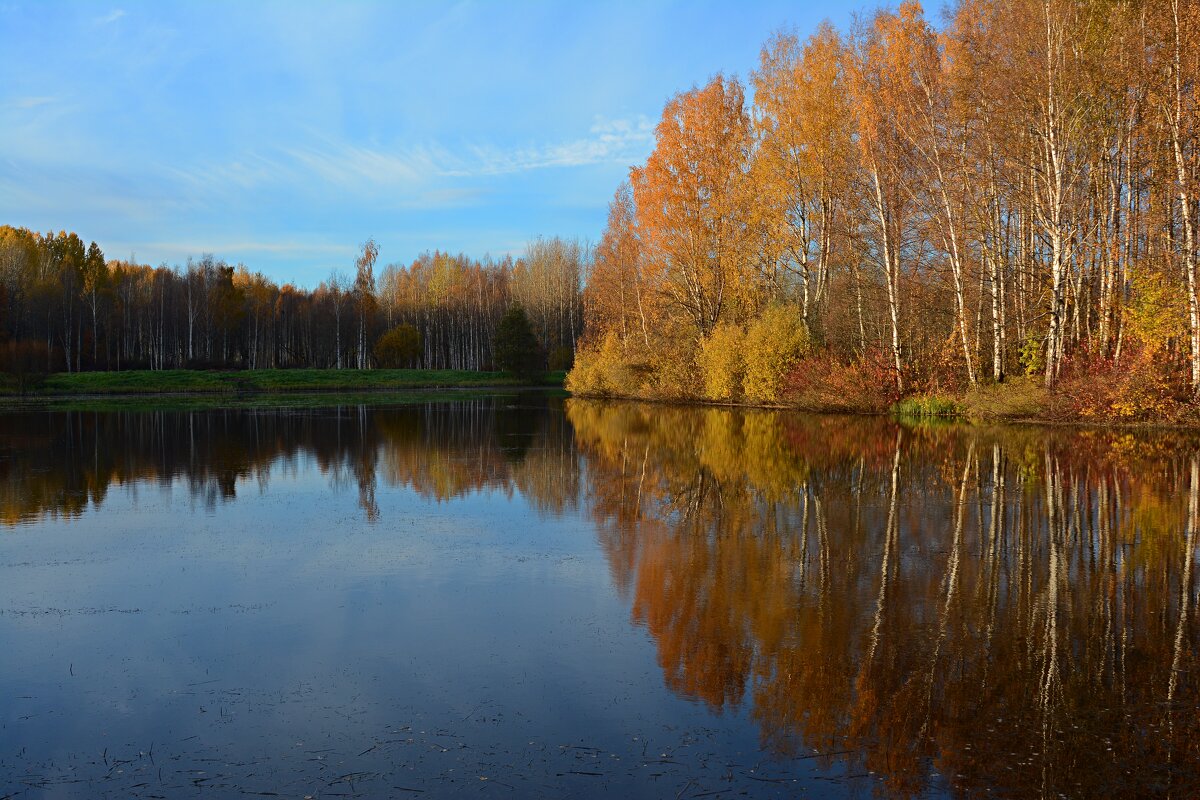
column 891, row 272
column 1175, row 123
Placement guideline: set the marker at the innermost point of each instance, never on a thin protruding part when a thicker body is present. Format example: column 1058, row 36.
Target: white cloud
column 30, row 102
column 414, row 175
column 348, row 165
column 111, row 17
column 610, row 141
column 287, row 248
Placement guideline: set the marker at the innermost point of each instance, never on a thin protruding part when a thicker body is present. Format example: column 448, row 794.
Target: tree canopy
column 998, row 194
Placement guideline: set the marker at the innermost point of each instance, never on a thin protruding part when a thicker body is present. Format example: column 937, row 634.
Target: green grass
column 929, row 405
column 1018, row 398
column 203, row 382
column 259, row 401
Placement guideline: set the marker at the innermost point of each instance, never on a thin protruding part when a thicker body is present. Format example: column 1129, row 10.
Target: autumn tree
column 398, row 347
column 335, row 290
column 691, row 199
column 878, row 83
column 616, row 297
column 547, row 281
column 95, row 283
column 803, row 135
column 364, row 294
column 1179, row 34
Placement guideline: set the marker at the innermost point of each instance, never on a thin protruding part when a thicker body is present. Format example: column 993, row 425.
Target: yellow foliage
column 584, row 378
column 1157, row 312
column 675, row 365
column 722, row 362
column 607, row 370
column 773, row 466
column 773, row 344
column 720, row 445
column 1144, row 392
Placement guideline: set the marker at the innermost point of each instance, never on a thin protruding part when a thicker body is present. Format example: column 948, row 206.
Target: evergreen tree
column 516, row 348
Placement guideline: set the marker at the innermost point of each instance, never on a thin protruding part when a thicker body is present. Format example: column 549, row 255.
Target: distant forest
column 65, row 307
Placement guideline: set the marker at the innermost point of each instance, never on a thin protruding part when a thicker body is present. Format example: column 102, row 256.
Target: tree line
column 1013, row 191
column 65, row 307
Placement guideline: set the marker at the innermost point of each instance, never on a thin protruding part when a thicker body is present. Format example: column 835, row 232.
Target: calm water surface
column 522, row 597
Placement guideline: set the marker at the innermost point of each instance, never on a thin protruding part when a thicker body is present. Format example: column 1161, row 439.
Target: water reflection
column 1011, row 610
column 1006, row 611
column 53, row 464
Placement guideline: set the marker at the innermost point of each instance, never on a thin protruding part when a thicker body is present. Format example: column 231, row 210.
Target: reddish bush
column 822, row 382
column 944, row 373
column 1144, row 384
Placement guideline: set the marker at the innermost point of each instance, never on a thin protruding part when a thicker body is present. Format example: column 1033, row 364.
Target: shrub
column 722, row 363
column 822, row 382
column 584, row 378
column 1143, row 385
column 399, row 347
column 1150, row 380
column 1032, row 357
column 674, row 366
column 774, row 343
column 608, row 369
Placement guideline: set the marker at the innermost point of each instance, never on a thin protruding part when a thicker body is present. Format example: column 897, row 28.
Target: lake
column 525, row 596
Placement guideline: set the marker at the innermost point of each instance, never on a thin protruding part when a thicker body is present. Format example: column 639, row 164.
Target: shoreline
column 276, row 386
column 229, row 384
column 947, row 419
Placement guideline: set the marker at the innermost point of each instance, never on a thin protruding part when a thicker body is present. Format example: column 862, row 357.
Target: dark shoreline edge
column 258, row 388
column 239, row 382
column 956, row 419
column 236, row 388
column 211, row 401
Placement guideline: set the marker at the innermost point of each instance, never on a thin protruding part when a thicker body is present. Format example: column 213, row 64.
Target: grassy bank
column 929, row 405
column 258, row 401
column 263, row 381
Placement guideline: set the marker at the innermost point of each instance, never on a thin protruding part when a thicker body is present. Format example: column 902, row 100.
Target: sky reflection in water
column 526, row 596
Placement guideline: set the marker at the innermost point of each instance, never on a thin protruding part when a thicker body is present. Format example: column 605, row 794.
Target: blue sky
column 282, row 135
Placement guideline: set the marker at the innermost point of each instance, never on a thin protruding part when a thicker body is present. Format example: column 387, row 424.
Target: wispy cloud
column 609, row 141
column 183, row 249
column 111, row 17
column 347, row 164
column 248, row 171
column 412, row 178
column 414, row 175
column 30, row 102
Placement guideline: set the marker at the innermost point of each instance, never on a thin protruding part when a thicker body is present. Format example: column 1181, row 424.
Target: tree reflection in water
column 53, row 464
column 1011, row 609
